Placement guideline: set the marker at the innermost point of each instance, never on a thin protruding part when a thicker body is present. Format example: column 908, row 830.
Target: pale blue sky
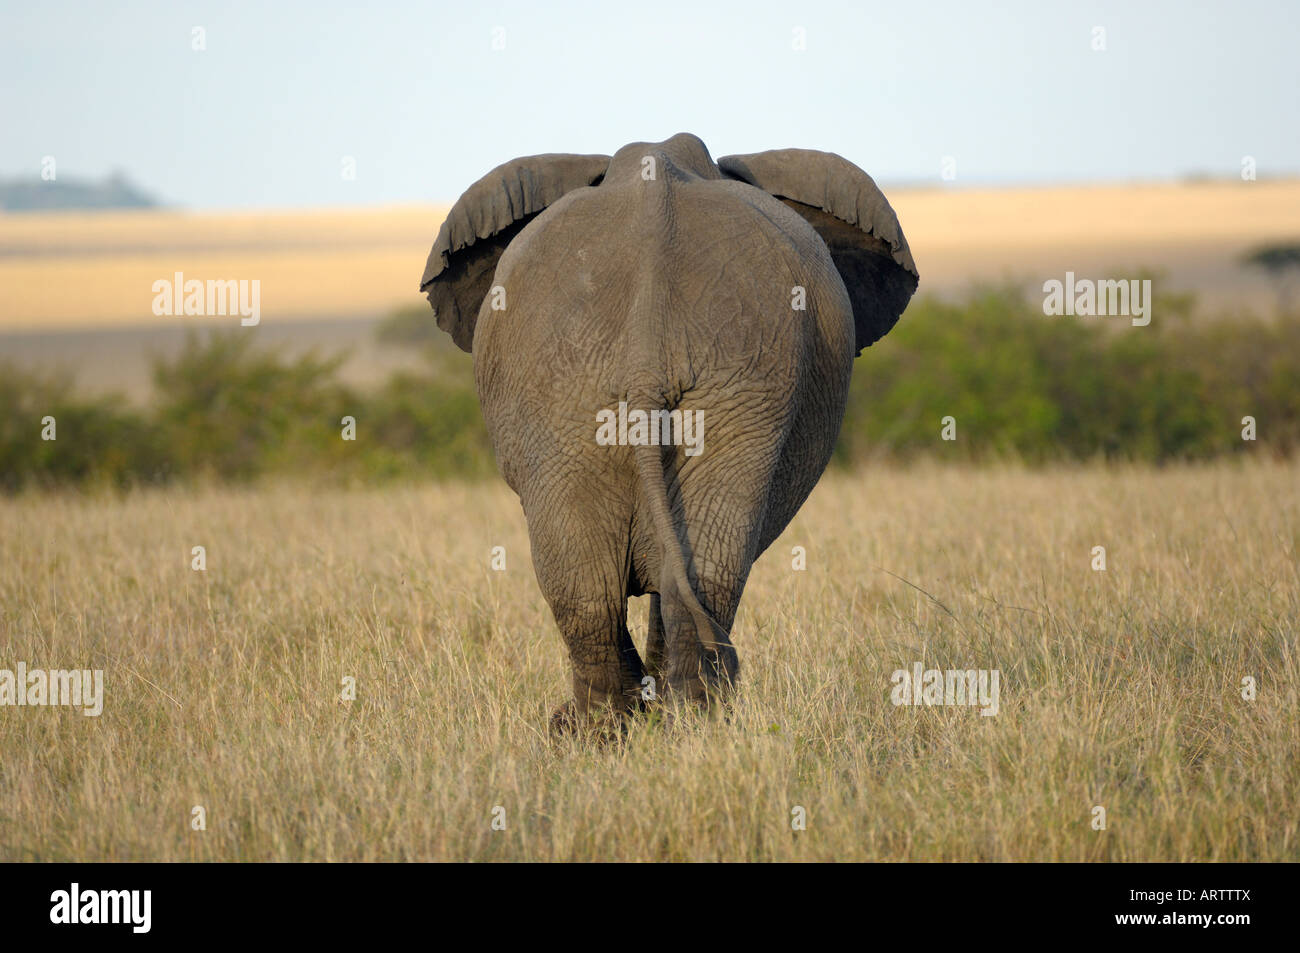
column 415, row 92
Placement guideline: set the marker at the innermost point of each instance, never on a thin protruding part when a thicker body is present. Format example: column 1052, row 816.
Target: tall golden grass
column 1120, row 689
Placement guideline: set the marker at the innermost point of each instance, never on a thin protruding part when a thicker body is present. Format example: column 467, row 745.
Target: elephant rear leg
column 581, row 576
column 605, row 665
column 700, row 662
column 717, row 515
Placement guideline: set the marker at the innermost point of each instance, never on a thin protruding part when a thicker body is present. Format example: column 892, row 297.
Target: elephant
column 659, row 285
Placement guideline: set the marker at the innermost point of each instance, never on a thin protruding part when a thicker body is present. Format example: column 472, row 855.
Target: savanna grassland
column 329, row 560
column 1119, row 688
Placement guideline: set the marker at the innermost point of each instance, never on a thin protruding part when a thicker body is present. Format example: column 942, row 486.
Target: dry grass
column 1119, row 689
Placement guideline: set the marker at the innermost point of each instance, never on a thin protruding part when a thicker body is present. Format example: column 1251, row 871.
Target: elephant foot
column 695, row 703
column 564, row 720
column 600, row 725
column 709, row 683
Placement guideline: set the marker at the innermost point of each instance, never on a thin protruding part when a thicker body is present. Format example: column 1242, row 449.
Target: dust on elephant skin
column 613, row 303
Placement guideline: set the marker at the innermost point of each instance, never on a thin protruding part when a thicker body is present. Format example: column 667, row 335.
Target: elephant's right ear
column 483, row 222
column 855, row 221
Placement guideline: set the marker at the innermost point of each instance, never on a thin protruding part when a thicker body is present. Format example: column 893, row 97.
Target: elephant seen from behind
column 662, row 348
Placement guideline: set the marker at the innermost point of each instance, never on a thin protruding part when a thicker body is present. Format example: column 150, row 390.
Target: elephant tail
column 650, row 471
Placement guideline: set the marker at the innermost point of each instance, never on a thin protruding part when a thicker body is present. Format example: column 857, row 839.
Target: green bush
column 1019, row 384
column 98, row 441
column 1037, row 388
column 226, row 410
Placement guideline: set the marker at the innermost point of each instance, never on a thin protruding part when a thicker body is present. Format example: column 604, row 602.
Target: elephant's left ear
column 458, row 274
column 855, row 221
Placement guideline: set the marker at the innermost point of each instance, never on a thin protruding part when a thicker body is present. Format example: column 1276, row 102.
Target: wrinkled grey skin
column 660, row 278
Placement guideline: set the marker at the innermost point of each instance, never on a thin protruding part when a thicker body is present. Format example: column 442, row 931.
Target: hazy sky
column 416, row 94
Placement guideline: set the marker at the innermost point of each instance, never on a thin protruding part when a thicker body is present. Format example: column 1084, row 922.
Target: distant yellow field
column 75, row 270
column 96, row 270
